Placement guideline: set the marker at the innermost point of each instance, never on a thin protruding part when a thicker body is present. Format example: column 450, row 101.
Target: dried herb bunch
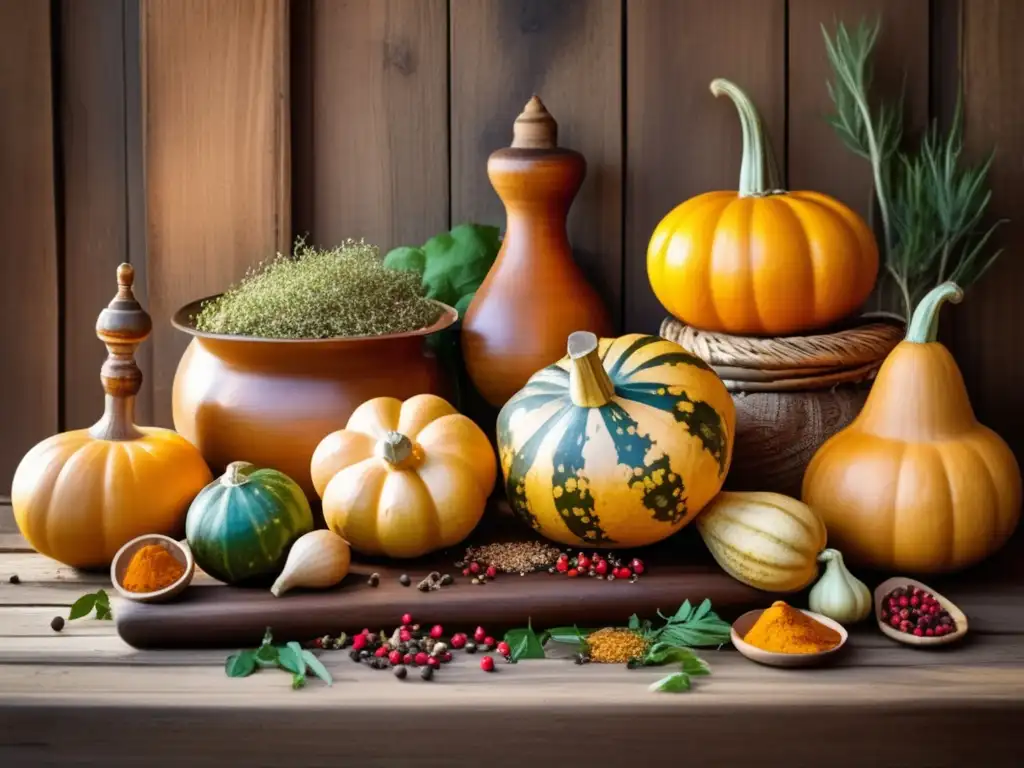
column 319, row 294
column 931, row 203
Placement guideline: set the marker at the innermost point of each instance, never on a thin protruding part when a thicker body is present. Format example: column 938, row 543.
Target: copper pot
column 271, row 401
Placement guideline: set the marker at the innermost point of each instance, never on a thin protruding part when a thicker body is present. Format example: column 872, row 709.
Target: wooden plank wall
column 197, row 137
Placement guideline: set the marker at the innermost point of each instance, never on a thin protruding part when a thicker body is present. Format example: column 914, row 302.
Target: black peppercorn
column 374, row 579
column 355, row 656
column 364, row 654
column 423, row 586
column 14, row 579
column 446, row 580
column 401, row 672
column 460, row 564
column 470, row 647
column 57, row 624
column 404, row 580
column 427, row 673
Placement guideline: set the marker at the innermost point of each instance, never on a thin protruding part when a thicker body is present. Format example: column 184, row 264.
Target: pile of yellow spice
column 784, row 629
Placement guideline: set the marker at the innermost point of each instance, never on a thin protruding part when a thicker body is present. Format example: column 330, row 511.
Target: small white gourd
column 839, row 594
column 317, row 559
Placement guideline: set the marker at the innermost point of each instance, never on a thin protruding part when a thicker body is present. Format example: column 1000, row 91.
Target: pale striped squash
column 766, row 540
column 619, row 444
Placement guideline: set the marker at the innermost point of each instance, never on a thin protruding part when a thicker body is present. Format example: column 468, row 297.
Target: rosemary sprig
column 931, row 203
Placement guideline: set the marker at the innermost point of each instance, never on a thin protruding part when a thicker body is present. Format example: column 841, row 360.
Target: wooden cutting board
column 212, row 615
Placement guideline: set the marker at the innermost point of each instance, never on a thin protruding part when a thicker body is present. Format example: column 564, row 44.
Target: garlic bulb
column 839, row 594
column 317, row 559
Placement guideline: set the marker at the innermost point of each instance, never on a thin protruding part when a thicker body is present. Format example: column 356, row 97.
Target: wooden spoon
column 887, row 586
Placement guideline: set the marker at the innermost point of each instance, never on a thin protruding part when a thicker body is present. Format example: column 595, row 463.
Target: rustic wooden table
column 83, row 697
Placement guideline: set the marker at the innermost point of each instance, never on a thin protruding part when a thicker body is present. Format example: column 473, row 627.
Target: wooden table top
column 82, row 696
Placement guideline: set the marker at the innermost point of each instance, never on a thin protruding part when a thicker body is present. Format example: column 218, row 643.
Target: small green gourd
column 839, row 594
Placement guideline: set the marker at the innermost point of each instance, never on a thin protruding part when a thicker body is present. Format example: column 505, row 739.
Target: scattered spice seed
column 615, row 646
column 476, row 581
column 404, row 580
column 57, row 624
column 479, row 634
column 487, row 664
column 470, row 647
column 15, row 579
column 401, row 672
column 427, row 673
column 513, row 557
column 504, row 649
column 446, row 580
column 374, row 579
column 406, row 619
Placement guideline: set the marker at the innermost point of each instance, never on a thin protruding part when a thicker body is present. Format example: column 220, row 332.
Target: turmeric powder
column 783, row 629
column 151, row 568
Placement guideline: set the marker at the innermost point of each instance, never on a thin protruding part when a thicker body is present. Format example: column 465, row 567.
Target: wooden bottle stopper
column 122, row 327
column 535, row 128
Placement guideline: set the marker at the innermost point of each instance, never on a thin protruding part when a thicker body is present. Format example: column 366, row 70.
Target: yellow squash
column 79, row 496
column 915, row 483
column 766, row 540
column 618, row 444
column 404, row 478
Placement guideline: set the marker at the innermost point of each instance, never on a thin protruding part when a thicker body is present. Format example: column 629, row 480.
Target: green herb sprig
column 291, row 657
column 930, row 202
column 525, row 643
column 687, row 627
column 98, row 601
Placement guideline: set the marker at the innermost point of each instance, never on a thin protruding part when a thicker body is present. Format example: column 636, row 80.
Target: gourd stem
column 237, row 473
column 759, row 172
column 395, row 448
column 924, row 324
column 589, row 384
column 830, row 555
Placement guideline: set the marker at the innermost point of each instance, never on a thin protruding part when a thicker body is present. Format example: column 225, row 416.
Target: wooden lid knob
column 535, row 128
column 122, row 326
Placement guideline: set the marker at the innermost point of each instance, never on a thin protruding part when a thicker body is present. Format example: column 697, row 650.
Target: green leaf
column 458, row 261
column 462, row 305
column 290, row 658
column 663, row 653
column 82, row 606
column 634, row 622
column 684, row 612
column 525, row 643
column 316, row 667
column 695, row 665
column 407, row 258
column 298, row 680
column 267, row 656
column 677, row 682
column 241, row 664
column 569, row 634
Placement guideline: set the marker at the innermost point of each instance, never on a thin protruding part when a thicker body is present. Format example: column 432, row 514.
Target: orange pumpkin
column 761, row 260
column 81, row 495
column 915, row 483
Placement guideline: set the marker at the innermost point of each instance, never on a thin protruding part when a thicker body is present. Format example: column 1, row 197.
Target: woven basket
column 791, row 393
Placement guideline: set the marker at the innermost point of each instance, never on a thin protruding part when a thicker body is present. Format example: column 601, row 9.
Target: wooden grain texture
column 60, row 691
column 680, row 140
column 992, row 313
column 95, row 231
column 817, row 158
column 29, row 311
column 570, row 54
column 217, row 155
column 372, row 151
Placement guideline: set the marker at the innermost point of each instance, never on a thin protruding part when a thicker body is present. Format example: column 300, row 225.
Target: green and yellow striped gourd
column 241, row 526
column 619, row 444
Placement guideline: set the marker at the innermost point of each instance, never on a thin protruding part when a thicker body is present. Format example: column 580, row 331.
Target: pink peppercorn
column 407, row 618
column 436, row 631
column 381, row 652
column 487, row 664
column 421, row 659
column 395, row 657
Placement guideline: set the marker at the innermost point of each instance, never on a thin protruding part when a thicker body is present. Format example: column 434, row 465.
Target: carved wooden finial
column 122, row 327
column 535, row 128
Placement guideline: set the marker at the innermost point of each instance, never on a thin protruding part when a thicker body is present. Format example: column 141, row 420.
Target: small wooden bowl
column 743, row 624
column 181, row 553
column 958, row 616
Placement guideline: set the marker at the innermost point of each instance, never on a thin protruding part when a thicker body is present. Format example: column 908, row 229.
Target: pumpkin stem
column 924, row 325
column 759, row 173
column 589, row 384
column 395, row 448
column 237, row 473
